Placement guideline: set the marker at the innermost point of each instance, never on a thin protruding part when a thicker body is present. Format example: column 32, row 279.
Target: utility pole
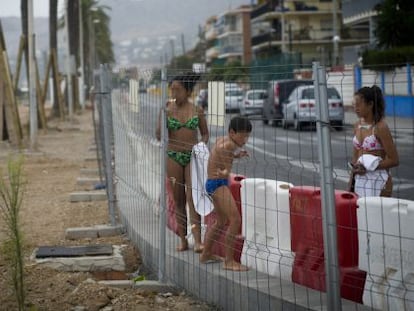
column 283, row 27
column 183, row 43
column 32, row 78
column 335, row 37
column 172, row 53
column 68, row 60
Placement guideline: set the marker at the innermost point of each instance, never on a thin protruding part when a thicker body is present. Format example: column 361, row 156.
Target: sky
column 40, row 7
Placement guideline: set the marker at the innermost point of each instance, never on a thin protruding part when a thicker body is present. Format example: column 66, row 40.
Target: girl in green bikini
column 184, row 119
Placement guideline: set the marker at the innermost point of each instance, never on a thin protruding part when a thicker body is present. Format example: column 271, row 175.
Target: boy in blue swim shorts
column 220, row 162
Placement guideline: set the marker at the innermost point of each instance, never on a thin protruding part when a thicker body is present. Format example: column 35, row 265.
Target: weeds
column 11, row 195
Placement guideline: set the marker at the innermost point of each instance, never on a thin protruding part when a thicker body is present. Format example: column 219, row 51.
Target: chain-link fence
column 307, row 240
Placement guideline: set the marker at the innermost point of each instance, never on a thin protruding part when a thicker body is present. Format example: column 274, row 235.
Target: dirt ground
column 51, row 175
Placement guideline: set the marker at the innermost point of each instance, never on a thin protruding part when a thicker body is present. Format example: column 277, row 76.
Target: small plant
column 11, row 196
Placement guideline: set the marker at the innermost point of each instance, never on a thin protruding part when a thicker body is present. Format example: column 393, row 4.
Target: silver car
column 253, row 102
column 300, row 107
column 233, row 98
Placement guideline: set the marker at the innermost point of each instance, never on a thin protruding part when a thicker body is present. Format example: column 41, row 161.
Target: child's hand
column 241, row 154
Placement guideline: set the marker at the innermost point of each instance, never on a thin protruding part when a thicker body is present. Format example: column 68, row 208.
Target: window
column 326, row 24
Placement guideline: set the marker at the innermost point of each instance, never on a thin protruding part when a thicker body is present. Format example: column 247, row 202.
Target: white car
column 233, row 97
column 300, row 107
column 253, row 102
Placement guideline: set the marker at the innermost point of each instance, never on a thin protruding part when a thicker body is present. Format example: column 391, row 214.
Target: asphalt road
column 291, row 156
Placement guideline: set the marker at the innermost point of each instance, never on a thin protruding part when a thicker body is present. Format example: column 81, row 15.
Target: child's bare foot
column 183, row 247
column 234, row 266
column 198, row 248
column 204, row 258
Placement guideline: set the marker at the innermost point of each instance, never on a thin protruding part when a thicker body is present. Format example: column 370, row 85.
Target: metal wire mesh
column 277, row 190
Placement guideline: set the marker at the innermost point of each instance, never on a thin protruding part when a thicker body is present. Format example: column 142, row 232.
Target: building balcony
column 227, row 28
column 265, row 37
column 230, row 50
column 212, row 52
column 211, row 34
column 260, row 10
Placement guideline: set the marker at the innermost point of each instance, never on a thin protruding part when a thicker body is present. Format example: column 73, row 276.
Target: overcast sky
column 12, row 7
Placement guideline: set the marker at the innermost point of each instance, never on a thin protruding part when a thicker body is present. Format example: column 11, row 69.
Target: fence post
column 107, row 135
column 163, row 207
column 357, row 78
column 327, row 190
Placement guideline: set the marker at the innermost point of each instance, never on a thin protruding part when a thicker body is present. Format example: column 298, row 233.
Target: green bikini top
column 191, row 124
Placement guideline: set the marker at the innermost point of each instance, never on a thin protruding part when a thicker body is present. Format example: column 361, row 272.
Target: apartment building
column 360, row 16
column 233, row 40
column 313, row 28
column 210, row 39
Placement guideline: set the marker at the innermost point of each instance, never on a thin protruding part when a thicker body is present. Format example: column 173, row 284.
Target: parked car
column 253, row 102
column 202, row 98
column 233, row 97
column 300, row 107
column 278, row 91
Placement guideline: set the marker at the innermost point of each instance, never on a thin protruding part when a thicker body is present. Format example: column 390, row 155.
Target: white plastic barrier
column 386, row 252
column 266, row 226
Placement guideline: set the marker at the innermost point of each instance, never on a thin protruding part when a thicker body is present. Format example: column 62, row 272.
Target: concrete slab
column 93, row 232
column 147, row 285
column 89, row 182
column 87, row 196
column 91, row 159
column 118, row 283
column 89, row 172
column 85, row 263
column 156, row 286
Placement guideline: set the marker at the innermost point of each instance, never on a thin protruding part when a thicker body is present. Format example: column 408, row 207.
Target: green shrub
column 388, row 60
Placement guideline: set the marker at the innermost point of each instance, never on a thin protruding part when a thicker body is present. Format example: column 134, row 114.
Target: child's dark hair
column 240, row 124
column 188, row 80
column 373, row 94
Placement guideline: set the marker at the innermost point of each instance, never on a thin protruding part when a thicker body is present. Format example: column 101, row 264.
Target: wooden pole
column 46, row 81
column 56, row 80
column 11, row 117
column 19, row 62
column 12, row 114
column 2, row 121
column 40, row 107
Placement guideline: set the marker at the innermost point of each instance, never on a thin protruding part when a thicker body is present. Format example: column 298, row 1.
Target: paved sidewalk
column 395, row 123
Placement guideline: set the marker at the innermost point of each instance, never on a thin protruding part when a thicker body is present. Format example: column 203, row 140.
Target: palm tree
column 98, row 33
column 73, row 21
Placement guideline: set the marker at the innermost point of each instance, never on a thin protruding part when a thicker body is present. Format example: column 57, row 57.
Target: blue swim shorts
column 213, row 184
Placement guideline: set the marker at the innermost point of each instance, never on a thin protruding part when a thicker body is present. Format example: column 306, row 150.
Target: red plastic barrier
column 307, row 241
column 218, row 247
column 309, row 270
column 306, row 222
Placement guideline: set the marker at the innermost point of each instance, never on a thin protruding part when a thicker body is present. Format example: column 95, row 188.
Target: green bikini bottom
column 181, row 157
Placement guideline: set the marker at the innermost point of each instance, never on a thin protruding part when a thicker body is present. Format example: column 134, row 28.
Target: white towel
column 199, row 160
column 370, row 184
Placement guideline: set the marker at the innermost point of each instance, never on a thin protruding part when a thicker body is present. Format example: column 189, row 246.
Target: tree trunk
column 25, row 31
column 53, row 7
column 73, row 20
